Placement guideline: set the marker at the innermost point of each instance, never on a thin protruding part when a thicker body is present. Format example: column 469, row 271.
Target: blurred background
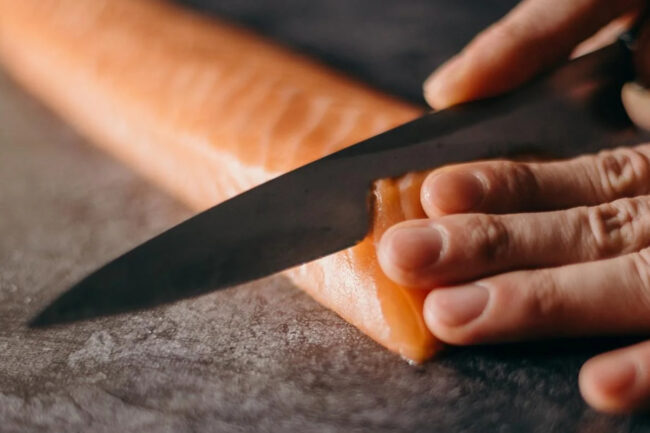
column 391, row 44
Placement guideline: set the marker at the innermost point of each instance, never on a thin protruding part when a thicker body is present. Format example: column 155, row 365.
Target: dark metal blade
column 325, row 206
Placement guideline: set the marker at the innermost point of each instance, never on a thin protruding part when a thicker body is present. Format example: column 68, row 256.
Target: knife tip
column 39, row 321
column 69, row 307
column 52, row 315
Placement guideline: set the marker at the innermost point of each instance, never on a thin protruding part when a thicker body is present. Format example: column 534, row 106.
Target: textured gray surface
column 261, row 357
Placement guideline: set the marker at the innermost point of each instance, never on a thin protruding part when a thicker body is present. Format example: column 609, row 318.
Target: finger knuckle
column 522, row 180
column 544, row 300
column 613, row 226
column 623, row 172
column 490, row 237
column 513, row 179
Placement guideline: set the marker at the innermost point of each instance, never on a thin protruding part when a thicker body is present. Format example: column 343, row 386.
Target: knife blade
column 326, row 206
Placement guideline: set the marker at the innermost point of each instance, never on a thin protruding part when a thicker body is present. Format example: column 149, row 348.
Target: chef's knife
column 326, row 206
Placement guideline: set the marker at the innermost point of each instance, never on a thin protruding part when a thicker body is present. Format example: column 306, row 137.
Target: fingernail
column 636, row 100
column 455, row 191
column 413, row 248
column 614, row 375
column 440, row 89
column 457, row 306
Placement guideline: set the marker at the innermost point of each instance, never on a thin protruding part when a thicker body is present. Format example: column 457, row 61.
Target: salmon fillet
column 208, row 110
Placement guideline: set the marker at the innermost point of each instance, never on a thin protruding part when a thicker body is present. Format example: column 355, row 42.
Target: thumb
column 636, row 96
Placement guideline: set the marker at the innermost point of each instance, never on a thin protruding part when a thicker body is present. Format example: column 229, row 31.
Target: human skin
column 500, row 268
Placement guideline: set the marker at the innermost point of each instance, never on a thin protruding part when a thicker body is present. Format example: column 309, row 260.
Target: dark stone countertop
column 263, row 356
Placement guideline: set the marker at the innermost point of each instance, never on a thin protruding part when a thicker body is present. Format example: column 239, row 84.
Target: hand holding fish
column 517, row 250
